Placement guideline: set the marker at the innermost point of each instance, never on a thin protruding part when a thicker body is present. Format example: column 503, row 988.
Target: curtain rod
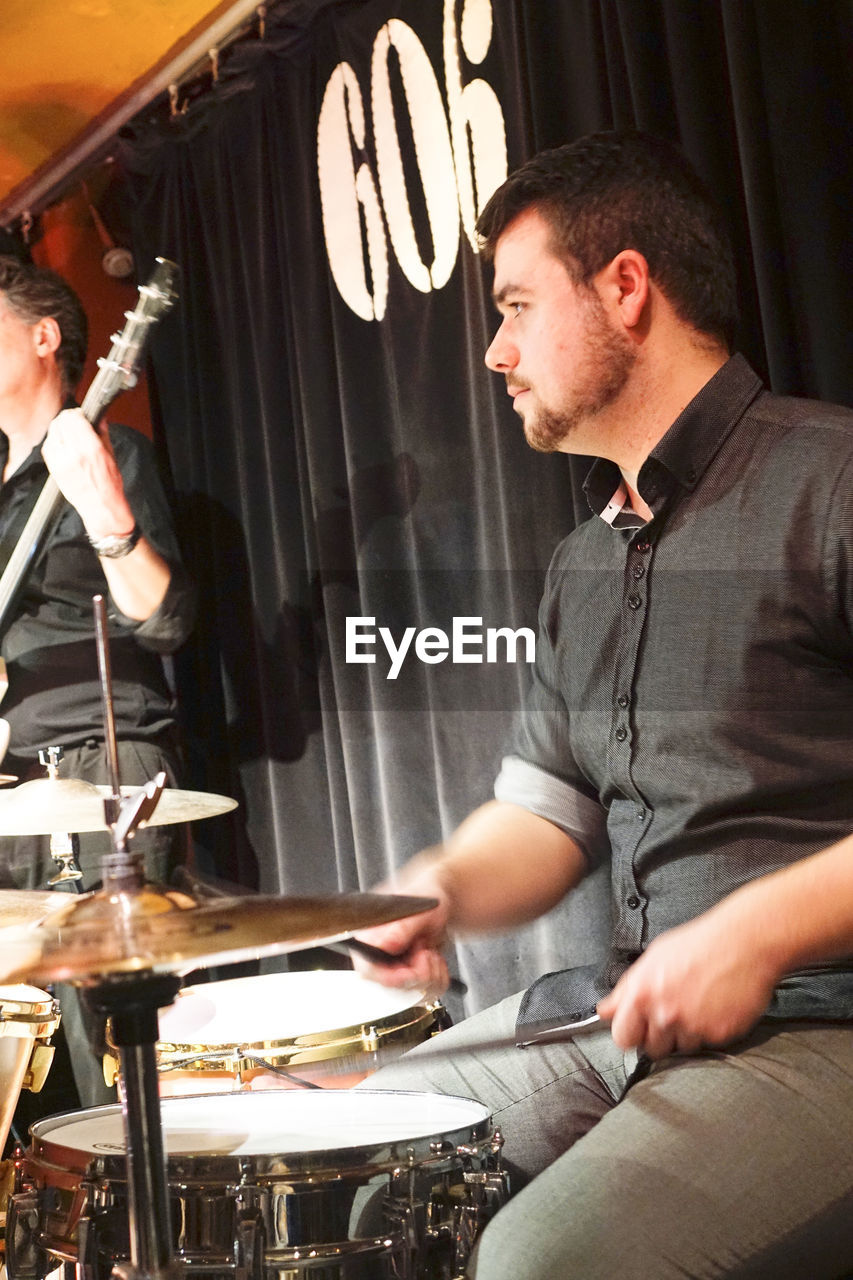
column 92, row 144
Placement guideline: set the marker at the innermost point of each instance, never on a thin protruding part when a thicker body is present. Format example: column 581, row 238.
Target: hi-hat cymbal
column 48, row 805
column 106, row 934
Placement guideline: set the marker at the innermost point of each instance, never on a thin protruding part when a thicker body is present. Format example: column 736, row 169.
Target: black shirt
column 692, row 702
column 54, row 693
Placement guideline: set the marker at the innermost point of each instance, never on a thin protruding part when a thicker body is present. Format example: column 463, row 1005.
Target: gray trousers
column 735, row 1162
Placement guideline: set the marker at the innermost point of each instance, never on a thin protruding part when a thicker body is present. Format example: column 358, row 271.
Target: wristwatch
column 116, row 545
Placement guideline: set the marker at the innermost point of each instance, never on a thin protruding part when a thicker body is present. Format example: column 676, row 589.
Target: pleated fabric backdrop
column 338, row 450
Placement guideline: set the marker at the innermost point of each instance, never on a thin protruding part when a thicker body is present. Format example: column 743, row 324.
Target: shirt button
column 638, row 571
column 642, row 546
column 621, row 733
column 634, row 601
column 633, row 902
column 623, row 699
column 641, row 815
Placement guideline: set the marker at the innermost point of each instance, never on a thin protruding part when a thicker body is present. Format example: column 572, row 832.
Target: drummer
column 115, row 537
column 689, row 722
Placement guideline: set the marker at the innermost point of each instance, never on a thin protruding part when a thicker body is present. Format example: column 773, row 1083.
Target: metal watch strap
column 116, row 545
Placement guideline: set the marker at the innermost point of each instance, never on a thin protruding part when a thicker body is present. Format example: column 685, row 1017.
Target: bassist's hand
column 81, row 460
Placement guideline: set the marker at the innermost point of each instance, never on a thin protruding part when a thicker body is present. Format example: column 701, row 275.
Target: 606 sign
column 460, row 152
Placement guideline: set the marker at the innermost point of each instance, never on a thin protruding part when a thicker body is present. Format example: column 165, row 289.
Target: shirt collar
column 683, row 454
column 33, row 458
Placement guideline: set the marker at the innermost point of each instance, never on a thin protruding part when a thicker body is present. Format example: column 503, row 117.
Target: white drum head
column 279, row 1006
column 20, row 993
column 274, row 1123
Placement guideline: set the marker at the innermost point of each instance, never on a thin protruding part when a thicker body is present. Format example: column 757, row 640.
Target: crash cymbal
column 27, row 906
column 101, row 935
column 48, row 805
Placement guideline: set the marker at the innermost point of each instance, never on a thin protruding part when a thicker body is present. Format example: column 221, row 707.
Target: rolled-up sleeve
column 172, row 621
column 525, row 784
column 540, row 772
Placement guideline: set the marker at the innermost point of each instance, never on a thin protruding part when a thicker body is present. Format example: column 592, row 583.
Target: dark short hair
column 612, row 191
column 33, row 293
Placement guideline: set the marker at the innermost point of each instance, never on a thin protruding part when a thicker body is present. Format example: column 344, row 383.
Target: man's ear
column 47, row 336
column 624, row 287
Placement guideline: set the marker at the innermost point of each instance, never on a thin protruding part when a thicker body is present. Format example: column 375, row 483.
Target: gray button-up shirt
column 691, row 711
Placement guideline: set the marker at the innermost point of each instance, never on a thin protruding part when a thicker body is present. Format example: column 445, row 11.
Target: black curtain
column 337, row 448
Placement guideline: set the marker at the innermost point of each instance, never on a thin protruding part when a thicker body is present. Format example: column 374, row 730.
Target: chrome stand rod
column 132, row 1004
column 148, row 1203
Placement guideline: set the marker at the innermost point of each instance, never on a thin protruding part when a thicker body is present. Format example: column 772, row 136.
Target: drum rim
column 57, row 1158
column 34, row 1018
column 356, row 1040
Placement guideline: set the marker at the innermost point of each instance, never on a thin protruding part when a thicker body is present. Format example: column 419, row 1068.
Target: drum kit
column 235, row 1152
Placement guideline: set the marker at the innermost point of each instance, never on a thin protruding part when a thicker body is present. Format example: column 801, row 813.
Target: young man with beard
column 689, row 721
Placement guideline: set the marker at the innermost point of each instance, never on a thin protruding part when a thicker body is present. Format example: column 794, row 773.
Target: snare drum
column 330, row 1028
column 274, row 1185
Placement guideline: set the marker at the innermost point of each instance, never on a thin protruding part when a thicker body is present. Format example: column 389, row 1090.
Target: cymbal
column 97, row 936
column 48, row 805
column 26, row 906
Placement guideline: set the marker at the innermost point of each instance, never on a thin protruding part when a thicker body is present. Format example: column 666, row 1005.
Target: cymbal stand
column 113, row 803
column 132, row 1003
column 64, row 845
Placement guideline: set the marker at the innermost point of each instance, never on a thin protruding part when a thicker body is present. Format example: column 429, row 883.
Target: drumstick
column 528, row 1035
